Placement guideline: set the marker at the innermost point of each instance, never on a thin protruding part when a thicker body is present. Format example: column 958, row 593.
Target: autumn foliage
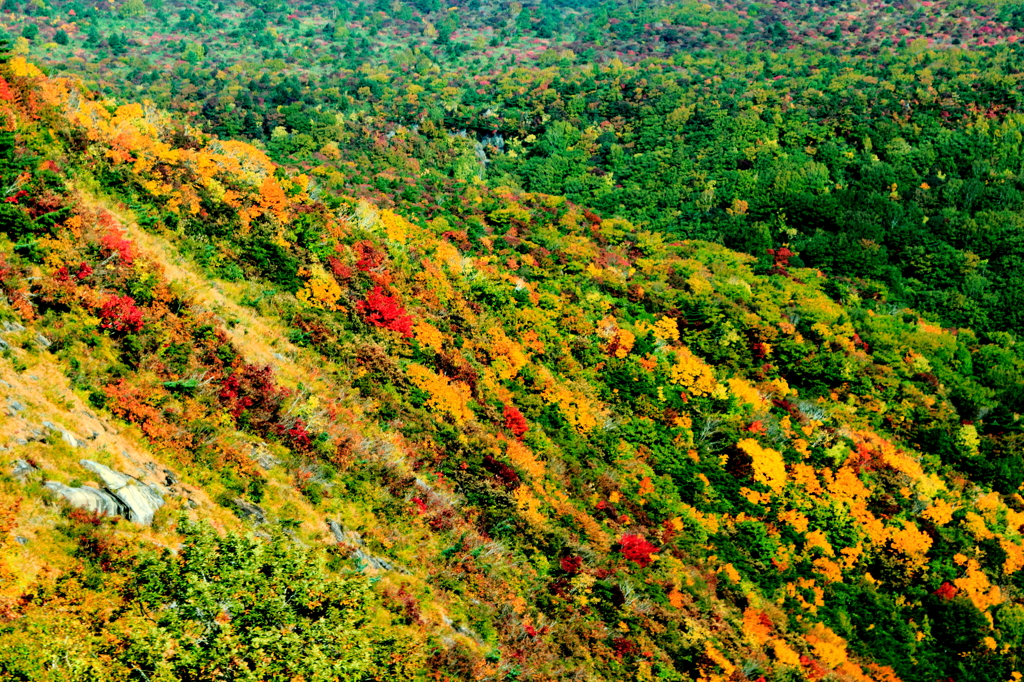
column 120, row 314
column 383, row 310
column 637, row 549
column 515, row 422
column 250, row 395
column 606, row 454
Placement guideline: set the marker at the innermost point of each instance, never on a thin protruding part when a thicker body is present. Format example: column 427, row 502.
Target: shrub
column 120, row 314
column 263, row 610
column 382, row 310
column 515, row 422
column 637, row 549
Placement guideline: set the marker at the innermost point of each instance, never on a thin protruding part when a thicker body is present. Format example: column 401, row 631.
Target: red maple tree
column 637, row 549
column 382, row 310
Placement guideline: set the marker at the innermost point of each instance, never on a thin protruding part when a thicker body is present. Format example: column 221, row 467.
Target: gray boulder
column 90, row 499
column 249, row 511
column 140, row 501
column 66, row 435
column 114, row 480
column 143, row 502
column 22, row 469
column 359, row 550
column 264, row 458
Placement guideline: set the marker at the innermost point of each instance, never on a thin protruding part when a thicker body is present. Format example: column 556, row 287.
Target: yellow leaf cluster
column 797, row 520
column 768, row 465
column 829, row 570
column 692, row 373
column 507, row 356
column 976, row 587
column 450, row 397
column 754, row 626
column 272, row 198
column 620, row 341
column 784, row 654
column 828, row 647
column 428, row 336
column 846, row 486
column 1014, row 556
column 524, row 459
column 395, row 226
column 975, row 525
column 793, row 590
column 940, row 513
column 321, row 291
column 666, row 330
column 746, row 393
column 24, row 69
column 805, row 478
column 577, row 409
column 755, row 497
column 817, row 539
column 968, row 439
column 529, row 507
column 716, row 657
column 912, row 543
column 624, row 341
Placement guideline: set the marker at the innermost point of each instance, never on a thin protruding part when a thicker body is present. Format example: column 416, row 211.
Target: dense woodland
column 500, row 341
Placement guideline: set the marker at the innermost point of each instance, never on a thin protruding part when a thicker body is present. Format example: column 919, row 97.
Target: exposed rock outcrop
column 142, row 500
column 122, row 495
column 352, row 540
column 249, row 511
column 21, row 469
column 65, row 435
column 90, row 499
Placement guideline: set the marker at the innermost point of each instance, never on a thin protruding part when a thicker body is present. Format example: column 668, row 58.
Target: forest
column 584, row 340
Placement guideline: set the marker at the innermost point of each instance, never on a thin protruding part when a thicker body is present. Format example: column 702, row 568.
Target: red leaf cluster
column 780, row 262
column 113, row 242
column 382, row 310
column 369, row 256
column 503, row 472
column 120, row 314
column 946, row 591
column 250, row 392
column 623, row 646
column 637, row 549
column 299, row 436
column 515, row 421
column 341, row 271
column 64, row 275
column 6, row 93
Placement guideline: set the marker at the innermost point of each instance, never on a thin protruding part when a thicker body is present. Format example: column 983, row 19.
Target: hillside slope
column 517, row 442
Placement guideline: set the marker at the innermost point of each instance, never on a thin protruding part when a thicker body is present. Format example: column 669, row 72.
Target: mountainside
column 518, row 440
column 881, row 142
